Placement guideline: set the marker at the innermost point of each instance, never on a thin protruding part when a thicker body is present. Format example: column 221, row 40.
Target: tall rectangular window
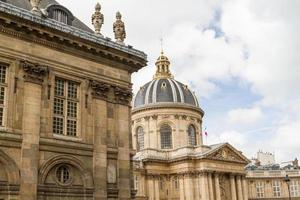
column 294, row 188
column 260, row 189
column 3, row 86
column 65, row 107
column 276, row 189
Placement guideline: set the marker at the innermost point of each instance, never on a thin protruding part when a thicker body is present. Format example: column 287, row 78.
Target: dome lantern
column 162, row 67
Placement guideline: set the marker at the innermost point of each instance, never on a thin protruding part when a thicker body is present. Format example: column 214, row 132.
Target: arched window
column 166, row 137
column 192, row 135
column 60, row 15
column 140, row 138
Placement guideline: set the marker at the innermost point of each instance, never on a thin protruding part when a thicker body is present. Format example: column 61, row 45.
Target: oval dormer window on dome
column 60, row 13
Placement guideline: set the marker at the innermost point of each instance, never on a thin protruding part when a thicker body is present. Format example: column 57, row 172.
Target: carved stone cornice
column 122, row 95
column 34, row 72
column 100, row 90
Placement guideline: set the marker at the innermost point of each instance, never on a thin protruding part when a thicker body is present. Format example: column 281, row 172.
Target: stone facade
column 171, row 160
column 272, row 184
column 64, row 111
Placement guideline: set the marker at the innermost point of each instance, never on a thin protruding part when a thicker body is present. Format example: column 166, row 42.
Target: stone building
column 273, row 181
column 65, row 94
column 171, row 160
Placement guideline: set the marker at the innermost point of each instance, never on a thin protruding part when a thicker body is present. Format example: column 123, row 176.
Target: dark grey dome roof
column 164, row 90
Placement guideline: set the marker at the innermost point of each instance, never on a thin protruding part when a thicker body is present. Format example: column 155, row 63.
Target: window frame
column 65, row 99
column 260, row 189
column 166, row 144
column 140, row 137
column 294, row 187
column 4, row 85
column 194, row 138
column 276, row 188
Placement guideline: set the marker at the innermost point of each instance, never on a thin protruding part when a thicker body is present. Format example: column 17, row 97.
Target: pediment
column 227, row 153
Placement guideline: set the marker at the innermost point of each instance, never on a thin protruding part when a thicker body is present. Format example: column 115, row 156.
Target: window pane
column 72, row 90
column 71, row 127
column 2, row 93
column 166, row 137
column 72, row 109
column 192, row 135
column 2, row 74
column 59, row 87
column 58, row 125
column 1, row 116
column 58, row 106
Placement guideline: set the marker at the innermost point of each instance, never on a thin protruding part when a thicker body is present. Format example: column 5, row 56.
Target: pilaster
column 33, row 80
column 245, row 188
column 99, row 107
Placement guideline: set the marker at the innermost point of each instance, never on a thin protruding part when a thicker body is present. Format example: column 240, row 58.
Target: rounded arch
column 168, row 122
column 166, row 141
column 64, row 159
column 10, row 167
column 52, row 7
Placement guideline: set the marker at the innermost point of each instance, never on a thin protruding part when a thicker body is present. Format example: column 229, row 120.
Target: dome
column 164, row 88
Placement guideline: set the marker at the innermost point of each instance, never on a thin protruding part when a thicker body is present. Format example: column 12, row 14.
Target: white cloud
column 245, row 116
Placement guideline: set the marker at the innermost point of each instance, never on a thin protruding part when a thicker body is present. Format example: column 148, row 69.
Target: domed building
column 171, row 161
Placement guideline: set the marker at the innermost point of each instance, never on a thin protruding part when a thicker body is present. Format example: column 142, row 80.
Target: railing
column 272, row 173
column 169, row 154
column 25, row 14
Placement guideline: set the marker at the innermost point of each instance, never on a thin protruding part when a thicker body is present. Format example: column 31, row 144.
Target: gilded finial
column 161, row 46
column 97, row 19
column 119, row 29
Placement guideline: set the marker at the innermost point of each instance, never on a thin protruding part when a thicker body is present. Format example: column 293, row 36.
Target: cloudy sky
column 241, row 57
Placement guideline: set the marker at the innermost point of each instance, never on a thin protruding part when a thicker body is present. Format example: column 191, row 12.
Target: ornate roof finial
column 119, row 29
column 35, row 6
column 162, row 66
column 97, row 19
column 162, row 45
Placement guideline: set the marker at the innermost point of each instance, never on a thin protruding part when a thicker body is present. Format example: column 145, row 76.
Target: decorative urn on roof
column 119, row 29
column 97, row 19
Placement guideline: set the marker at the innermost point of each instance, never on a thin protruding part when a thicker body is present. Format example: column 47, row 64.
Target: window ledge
column 68, row 138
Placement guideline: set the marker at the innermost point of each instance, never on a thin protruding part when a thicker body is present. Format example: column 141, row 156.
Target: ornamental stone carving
column 119, row 29
column 34, row 72
column 35, row 5
column 122, row 95
column 99, row 90
column 97, row 19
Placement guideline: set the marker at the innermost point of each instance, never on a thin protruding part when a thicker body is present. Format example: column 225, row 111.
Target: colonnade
column 201, row 186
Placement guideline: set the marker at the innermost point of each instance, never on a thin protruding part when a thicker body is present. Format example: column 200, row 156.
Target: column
column 233, row 187
column 239, row 188
column 204, row 187
column 210, row 185
column 245, row 188
column 217, row 187
column 156, row 186
column 197, row 187
column 33, row 80
column 189, row 192
column 150, row 181
column 181, row 187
